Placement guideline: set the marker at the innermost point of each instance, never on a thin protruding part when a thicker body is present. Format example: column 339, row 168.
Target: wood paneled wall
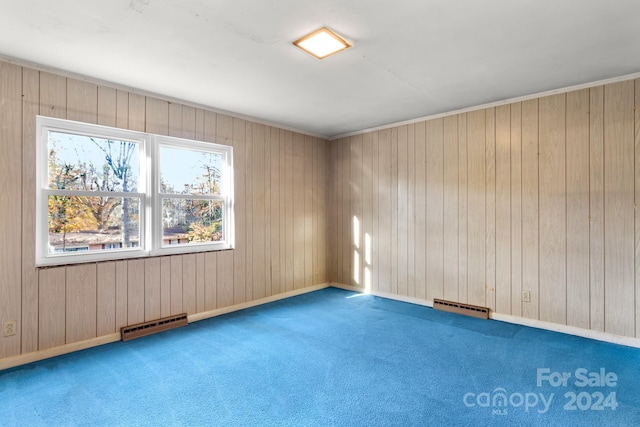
column 281, row 188
column 478, row 207
column 538, row 195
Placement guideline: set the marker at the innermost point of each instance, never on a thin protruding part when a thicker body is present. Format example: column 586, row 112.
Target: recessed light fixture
column 322, row 43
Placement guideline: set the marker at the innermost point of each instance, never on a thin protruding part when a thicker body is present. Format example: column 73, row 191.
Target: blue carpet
column 333, row 357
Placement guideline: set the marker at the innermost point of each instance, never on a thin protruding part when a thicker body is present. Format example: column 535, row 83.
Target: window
column 191, row 201
column 106, row 193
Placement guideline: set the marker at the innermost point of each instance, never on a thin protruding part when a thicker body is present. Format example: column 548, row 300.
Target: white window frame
column 148, row 192
column 225, row 196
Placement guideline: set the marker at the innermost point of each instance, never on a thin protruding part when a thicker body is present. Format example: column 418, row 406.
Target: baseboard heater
column 461, row 308
column 154, row 326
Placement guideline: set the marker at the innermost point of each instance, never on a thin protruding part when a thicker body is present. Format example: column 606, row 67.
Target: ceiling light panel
column 322, row 43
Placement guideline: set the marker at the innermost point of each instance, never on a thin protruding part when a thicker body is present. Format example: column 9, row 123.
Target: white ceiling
column 410, row 59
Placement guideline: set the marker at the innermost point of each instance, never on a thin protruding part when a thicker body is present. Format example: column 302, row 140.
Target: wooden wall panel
column 53, row 95
column 334, row 210
column 503, row 209
column 200, row 281
column 340, row 207
column 411, row 210
column 516, row 209
column 307, row 215
column 282, row 215
column 341, row 198
column 107, row 106
column 384, row 205
column 393, row 211
column 463, row 205
column 298, row 211
column 476, row 150
column 345, row 214
column 368, row 176
column 402, row 217
column 161, row 117
column 176, row 284
column 224, row 278
column 82, row 101
column 122, row 109
column 435, row 209
column 451, row 172
column 189, row 283
column 529, row 207
column 323, row 182
column 248, row 213
column 619, row 203
column 258, row 222
column 135, row 291
column 165, row 286
column 316, row 207
column 10, row 193
column 335, row 205
column 240, row 204
column 30, row 108
column 137, row 110
column 288, row 205
column 266, row 217
column 51, row 307
column 273, row 228
column 375, row 241
column 636, row 108
column 553, row 218
column 122, row 294
column 420, row 242
column 81, row 303
column 209, row 127
column 356, row 198
column 164, row 116
column 577, row 134
column 189, row 124
column 152, row 289
column 490, row 159
column 105, row 298
column 210, row 281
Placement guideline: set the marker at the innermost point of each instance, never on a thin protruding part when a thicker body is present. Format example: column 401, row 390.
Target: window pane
column 191, row 221
column 93, row 164
column 93, row 223
column 189, row 171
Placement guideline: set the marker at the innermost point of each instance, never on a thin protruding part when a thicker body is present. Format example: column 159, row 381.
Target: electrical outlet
column 9, row 328
column 526, row 296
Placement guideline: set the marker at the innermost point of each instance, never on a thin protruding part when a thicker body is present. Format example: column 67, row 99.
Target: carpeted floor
column 333, row 357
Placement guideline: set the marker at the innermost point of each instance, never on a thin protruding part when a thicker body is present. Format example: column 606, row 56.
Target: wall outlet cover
column 9, row 328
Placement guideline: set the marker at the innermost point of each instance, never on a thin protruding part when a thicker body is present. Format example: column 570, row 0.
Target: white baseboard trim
column 220, row 311
column 23, row 359
column 533, row 323
column 569, row 330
